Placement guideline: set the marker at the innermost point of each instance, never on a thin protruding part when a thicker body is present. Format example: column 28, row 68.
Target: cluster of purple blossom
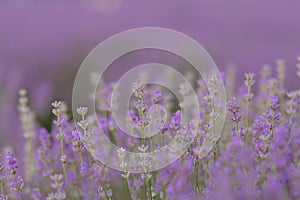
column 257, row 157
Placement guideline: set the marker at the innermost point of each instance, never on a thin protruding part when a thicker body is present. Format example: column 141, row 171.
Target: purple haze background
column 42, row 44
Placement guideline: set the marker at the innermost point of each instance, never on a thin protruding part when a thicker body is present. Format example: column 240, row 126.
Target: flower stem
column 148, row 186
column 196, row 176
column 3, row 190
column 64, row 170
column 80, row 157
column 128, row 188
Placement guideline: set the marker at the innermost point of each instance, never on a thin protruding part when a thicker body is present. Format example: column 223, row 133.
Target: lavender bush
column 257, row 157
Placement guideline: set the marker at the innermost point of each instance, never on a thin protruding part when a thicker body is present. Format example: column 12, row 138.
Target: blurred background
column 43, row 43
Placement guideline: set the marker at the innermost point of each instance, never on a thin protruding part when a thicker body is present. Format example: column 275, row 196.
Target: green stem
column 64, row 169
column 247, row 114
column 128, row 188
column 3, row 190
column 104, row 190
column 150, row 189
column 80, row 157
column 237, row 128
column 148, row 186
column 196, row 177
column 21, row 196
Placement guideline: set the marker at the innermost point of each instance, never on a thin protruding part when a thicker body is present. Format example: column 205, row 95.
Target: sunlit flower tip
column 143, row 148
column 56, row 104
column 57, row 111
column 63, row 159
column 82, row 111
column 121, row 152
column 249, row 82
column 84, row 124
column 22, row 92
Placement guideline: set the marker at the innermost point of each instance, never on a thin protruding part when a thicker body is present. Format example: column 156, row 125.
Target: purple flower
column 36, row 194
column 175, row 121
column 11, row 161
column 158, row 99
column 44, row 137
column 17, row 184
column 85, row 169
column 273, row 190
column 77, row 143
column 234, row 109
column 273, row 113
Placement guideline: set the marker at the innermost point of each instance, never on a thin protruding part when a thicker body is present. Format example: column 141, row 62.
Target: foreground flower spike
column 27, row 117
column 234, row 108
column 77, row 143
column 249, row 82
column 16, row 182
column 11, row 161
column 59, row 110
column 273, row 113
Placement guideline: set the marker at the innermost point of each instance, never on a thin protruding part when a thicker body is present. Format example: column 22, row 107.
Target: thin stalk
column 64, row 170
column 3, row 190
column 80, row 157
column 90, row 159
column 105, row 189
column 247, row 113
column 237, row 128
column 196, row 177
column 150, row 189
column 21, row 196
column 128, row 188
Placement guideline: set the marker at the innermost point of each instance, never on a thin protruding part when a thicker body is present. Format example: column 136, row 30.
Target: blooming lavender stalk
column 140, row 93
column 234, row 108
column 249, row 82
column 2, row 180
column 17, row 183
column 85, row 124
column 125, row 174
column 273, row 113
column 77, row 144
column 27, row 117
column 58, row 112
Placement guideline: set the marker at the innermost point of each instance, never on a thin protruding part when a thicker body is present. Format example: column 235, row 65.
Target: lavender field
column 50, row 146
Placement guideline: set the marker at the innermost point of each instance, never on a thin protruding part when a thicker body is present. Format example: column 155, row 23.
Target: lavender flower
column 235, row 109
column 77, row 143
column 18, row 184
column 11, row 161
